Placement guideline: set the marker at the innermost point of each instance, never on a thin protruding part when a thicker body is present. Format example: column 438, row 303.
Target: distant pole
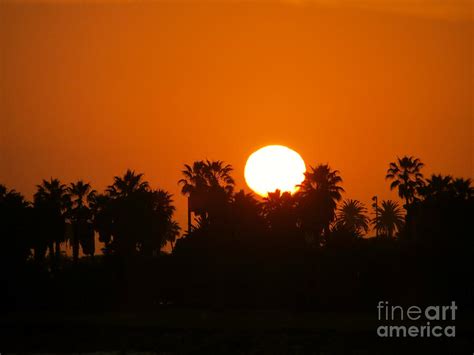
column 376, row 205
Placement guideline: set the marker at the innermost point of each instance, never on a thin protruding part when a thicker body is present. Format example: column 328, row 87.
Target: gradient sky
column 89, row 89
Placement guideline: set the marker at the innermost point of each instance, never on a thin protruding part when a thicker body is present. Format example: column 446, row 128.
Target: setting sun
column 274, row 167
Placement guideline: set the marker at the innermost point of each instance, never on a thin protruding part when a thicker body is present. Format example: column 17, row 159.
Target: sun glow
column 274, row 167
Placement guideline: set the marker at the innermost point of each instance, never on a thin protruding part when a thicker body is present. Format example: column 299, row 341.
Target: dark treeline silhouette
column 308, row 250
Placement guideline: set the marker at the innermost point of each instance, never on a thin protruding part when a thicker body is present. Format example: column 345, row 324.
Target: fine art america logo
column 431, row 321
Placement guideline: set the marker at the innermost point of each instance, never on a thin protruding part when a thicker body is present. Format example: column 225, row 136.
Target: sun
column 274, row 167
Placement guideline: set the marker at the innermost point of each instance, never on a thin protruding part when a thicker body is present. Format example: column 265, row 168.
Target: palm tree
column 133, row 218
column 248, row 222
column 80, row 194
column 207, row 174
column 128, row 184
column 246, row 210
column 172, row 233
column 246, row 202
column 163, row 203
column 129, row 199
column 407, row 177
column 209, row 187
column 52, row 191
column 101, row 209
column 439, row 186
column 80, row 214
column 323, row 178
column 279, row 210
column 155, row 226
column 12, row 197
column 51, row 201
column 445, row 209
column 352, row 216
column 389, row 219
column 436, row 186
column 463, row 188
column 318, row 197
column 15, row 225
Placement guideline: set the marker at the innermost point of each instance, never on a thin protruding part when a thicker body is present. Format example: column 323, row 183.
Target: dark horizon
column 291, row 255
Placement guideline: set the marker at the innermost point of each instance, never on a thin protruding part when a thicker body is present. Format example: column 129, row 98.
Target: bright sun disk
column 274, row 167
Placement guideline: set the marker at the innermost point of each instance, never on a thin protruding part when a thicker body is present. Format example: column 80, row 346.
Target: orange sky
column 89, row 89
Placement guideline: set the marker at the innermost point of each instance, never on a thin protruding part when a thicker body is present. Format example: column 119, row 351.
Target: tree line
column 132, row 218
column 235, row 233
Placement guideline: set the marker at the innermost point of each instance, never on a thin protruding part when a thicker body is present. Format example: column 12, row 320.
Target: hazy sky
column 91, row 88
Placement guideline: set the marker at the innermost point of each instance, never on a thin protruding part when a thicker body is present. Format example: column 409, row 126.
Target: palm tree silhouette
column 101, row 208
column 318, row 197
column 279, row 209
column 209, row 186
column 246, row 202
column 132, row 218
column 246, row 210
column 351, row 215
column 172, row 233
column 128, row 184
column 323, row 178
column 463, row 189
column 124, row 212
column 80, row 193
column 15, row 226
column 12, row 196
column 389, row 219
column 80, row 214
column 406, row 176
column 51, row 201
column 207, row 174
column 156, row 227
column 439, row 186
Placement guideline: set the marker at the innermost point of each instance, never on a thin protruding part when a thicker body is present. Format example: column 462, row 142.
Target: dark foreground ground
column 180, row 331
